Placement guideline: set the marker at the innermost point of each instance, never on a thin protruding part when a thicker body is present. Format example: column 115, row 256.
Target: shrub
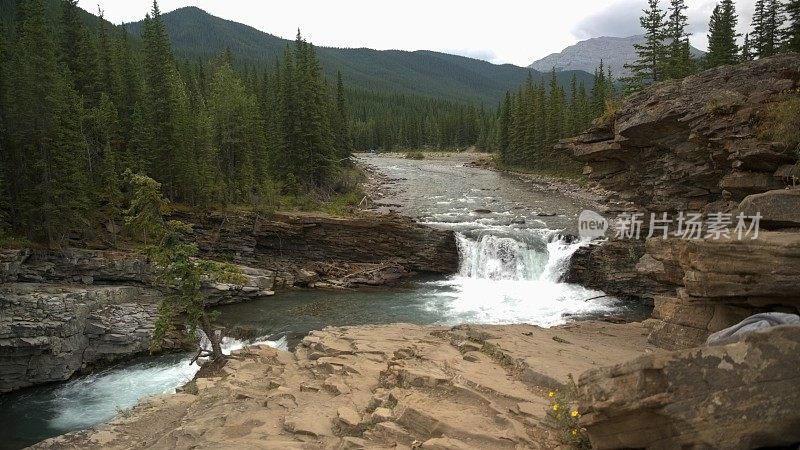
column 415, row 155
column 781, row 122
column 610, row 112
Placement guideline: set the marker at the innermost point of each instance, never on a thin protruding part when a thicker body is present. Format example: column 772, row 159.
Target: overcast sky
column 500, row 31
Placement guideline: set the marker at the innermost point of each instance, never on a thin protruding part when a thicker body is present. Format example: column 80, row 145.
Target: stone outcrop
column 48, row 333
column 393, row 386
column 105, row 267
column 779, row 209
column 286, row 242
column 682, row 145
column 68, row 311
column 737, row 396
column 611, row 267
column 719, row 283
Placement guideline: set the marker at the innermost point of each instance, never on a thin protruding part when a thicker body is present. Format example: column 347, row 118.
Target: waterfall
column 514, row 277
column 542, row 256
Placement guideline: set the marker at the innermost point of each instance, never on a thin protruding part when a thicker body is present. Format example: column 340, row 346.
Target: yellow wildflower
column 551, row 394
column 555, row 407
column 574, row 413
column 574, row 432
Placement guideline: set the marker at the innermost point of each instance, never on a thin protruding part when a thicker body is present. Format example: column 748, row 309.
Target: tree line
column 80, row 106
column 532, row 120
column 665, row 53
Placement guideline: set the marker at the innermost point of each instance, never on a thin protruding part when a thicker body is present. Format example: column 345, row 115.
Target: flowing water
column 512, row 249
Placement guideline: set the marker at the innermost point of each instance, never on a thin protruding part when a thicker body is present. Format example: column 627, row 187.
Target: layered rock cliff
column 321, row 245
column 697, row 145
column 65, row 311
column 682, row 145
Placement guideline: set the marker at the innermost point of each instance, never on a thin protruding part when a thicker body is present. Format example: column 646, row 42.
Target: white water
column 514, row 279
column 98, row 397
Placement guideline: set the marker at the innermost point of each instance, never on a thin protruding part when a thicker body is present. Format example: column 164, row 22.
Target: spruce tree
column 792, row 31
column 651, row 54
column 77, row 51
column 747, row 51
column 767, row 22
column 722, row 48
column 504, row 126
column 45, row 131
column 678, row 59
column 342, row 139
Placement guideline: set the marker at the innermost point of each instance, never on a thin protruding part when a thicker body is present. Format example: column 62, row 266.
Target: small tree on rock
column 178, row 269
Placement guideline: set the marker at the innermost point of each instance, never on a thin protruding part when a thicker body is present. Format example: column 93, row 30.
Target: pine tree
column 504, row 126
column 5, row 197
column 792, row 31
column 678, row 60
column 722, row 48
column 164, row 105
column 599, row 92
column 231, row 111
column 76, row 50
column 767, row 22
column 651, row 54
column 49, row 147
column 342, row 139
column 747, row 53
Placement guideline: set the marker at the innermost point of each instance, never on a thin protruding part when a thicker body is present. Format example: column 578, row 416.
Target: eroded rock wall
column 296, row 239
column 682, row 145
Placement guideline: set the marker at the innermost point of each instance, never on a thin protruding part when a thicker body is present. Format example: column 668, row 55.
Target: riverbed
column 514, row 245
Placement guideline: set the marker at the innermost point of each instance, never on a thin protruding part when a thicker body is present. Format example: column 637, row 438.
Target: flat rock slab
column 382, row 386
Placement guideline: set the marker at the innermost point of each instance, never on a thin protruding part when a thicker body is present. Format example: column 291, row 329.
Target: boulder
column 778, row 208
column 612, row 267
column 736, row 396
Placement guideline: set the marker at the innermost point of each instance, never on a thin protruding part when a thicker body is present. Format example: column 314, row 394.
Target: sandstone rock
column 778, row 208
column 348, row 417
column 473, row 407
column 719, row 283
column 444, row 443
column 738, row 396
column 741, row 184
column 283, row 242
column 381, row 415
column 612, row 267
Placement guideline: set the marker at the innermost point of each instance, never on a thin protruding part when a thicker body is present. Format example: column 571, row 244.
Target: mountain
column 196, row 34
column 586, row 55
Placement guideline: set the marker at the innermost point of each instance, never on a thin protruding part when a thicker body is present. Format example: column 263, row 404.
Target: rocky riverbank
column 394, row 386
column 70, row 311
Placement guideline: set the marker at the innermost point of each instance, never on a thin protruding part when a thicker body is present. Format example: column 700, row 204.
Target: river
column 512, row 254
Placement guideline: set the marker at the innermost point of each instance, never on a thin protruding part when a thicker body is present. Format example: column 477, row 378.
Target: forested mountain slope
column 197, row 34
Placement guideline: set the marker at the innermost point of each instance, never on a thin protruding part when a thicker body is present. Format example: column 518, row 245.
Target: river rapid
column 513, row 251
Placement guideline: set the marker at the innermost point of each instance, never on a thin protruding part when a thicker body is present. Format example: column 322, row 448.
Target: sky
column 500, row 31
